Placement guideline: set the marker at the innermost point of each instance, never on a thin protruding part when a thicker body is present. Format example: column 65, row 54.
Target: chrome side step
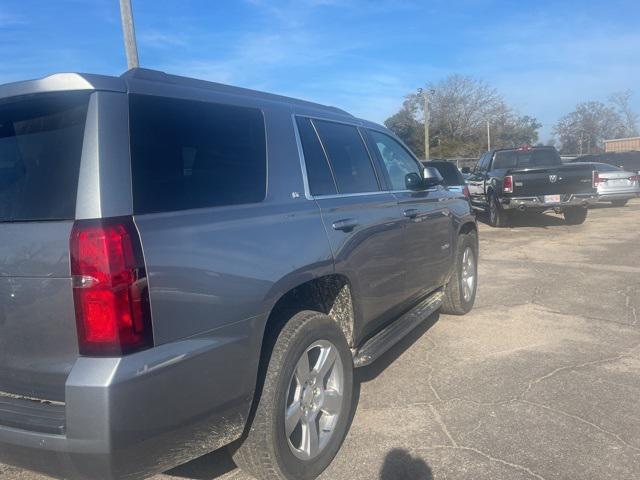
column 397, row 330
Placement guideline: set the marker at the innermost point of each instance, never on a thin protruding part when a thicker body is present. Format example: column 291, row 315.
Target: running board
column 397, row 330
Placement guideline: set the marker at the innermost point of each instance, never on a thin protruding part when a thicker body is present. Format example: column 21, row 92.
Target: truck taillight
column 633, row 178
column 466, row 192
column 596, row 179
column 507, row 184
column 110, row 291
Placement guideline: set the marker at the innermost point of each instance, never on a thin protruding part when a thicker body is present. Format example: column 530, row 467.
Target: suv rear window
column 40, row 149
column 188, row 154
column 526, row 158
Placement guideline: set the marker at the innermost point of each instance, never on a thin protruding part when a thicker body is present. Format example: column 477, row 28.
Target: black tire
column 619, row 203
column 575, row 215
column 265, row 452
column 455, row 302
column 498, row 216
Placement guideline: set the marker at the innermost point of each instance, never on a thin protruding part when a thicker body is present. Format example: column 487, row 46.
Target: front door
column 428, row 223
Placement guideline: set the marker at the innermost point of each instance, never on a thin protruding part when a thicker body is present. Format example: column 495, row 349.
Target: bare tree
column 621, row 101
column 584, row 130
column 460, row 107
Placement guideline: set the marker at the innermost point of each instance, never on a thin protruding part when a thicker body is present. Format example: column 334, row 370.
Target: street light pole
column 129, row 33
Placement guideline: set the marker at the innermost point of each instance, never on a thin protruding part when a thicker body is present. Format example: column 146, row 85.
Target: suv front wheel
column 460, row 292
column 305, row 406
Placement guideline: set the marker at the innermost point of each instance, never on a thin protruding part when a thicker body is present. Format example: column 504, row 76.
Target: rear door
column 363, row 223
column 428, row 227
column 41, row 142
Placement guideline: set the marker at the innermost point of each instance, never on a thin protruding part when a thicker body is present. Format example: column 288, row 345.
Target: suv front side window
column 350, row 162
column 397, row 161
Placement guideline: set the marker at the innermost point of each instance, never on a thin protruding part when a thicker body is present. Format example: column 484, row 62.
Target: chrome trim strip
column 303, row 165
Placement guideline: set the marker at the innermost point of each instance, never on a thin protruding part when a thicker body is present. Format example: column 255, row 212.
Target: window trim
column 303, row 165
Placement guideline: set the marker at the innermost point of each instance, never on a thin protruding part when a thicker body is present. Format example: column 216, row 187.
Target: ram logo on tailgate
column 553, row 178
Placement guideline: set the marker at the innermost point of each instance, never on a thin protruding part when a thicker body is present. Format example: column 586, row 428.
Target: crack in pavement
column 443, row 426
column 516, row 466
column 583, row 420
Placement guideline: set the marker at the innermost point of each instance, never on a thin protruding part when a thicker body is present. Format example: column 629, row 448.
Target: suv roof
column 82, row 81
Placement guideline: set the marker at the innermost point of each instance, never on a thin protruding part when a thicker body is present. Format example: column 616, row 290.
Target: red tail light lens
column 110, row 287
column 596, row 179
column 633, row 178
column 466, row 192
column 507, row 184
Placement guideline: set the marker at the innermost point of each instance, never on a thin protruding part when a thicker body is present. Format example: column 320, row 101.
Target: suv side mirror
column 432, row 177
column 466, row 170
column 414, row 182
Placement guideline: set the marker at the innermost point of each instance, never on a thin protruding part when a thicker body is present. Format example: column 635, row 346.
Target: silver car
column 615, row 185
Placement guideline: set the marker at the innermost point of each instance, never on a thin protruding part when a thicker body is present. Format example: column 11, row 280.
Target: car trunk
column 553, row 180
column 40, row 148
column 611, row 182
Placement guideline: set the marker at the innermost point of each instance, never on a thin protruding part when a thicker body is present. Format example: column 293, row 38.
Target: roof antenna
column 129, row 33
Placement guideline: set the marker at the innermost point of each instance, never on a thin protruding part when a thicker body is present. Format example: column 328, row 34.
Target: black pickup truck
column 531, row 179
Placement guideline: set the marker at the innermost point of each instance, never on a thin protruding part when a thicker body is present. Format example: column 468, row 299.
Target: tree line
column 460, row 107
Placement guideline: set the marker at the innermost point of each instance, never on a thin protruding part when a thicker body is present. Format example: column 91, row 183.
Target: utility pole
column 129, row 33
column 427, row 116
column 488, row 135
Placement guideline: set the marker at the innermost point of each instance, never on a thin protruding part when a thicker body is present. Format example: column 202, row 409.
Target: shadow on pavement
column 207, row 467
column 400, row 465
column 524, row 219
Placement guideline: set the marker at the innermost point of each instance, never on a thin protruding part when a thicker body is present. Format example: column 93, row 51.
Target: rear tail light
column 633, row 178
column 466, row 192
column 507, row 184
column 596, row 179
column 110, row 291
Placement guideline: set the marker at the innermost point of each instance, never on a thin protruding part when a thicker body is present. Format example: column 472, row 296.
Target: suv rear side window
column 349, row 158
column 40, row 149
column 318, row 171
column 187, row 154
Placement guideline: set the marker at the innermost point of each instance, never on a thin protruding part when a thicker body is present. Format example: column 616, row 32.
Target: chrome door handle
column 411, row 213
column 346, row 224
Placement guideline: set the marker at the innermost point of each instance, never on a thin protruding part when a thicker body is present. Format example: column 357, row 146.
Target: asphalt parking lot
column 540, row 381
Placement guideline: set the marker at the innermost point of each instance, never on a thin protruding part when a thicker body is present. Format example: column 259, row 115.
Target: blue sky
column 360, row 55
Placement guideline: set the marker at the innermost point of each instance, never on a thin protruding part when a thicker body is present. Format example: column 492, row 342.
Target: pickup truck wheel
column 498, row 216
column 575, row 215
column 460, row 292
column 305, row 406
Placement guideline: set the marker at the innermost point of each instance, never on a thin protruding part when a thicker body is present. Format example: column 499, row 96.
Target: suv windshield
column 536, row 157
column 40, row 150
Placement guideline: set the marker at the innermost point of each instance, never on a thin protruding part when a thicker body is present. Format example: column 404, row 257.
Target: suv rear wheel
column 460, row 292
column 305, row 406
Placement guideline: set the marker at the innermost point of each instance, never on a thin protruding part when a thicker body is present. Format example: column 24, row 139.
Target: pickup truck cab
column 531, row 179
column 186, row 266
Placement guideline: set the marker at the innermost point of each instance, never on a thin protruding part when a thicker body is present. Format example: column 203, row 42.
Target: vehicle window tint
column 481, row 165
column 40, row 148
column 449, row 172
column 527, row 158
column 318, row 171
column 349, row 159
column 397, row 161
column 187, row 154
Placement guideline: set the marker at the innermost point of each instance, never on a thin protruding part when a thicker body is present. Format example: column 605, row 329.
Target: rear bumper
column 134, row 416
column 607, row 197
column 538, row 203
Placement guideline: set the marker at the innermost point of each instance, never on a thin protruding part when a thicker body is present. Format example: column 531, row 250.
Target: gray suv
column 186, row 265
